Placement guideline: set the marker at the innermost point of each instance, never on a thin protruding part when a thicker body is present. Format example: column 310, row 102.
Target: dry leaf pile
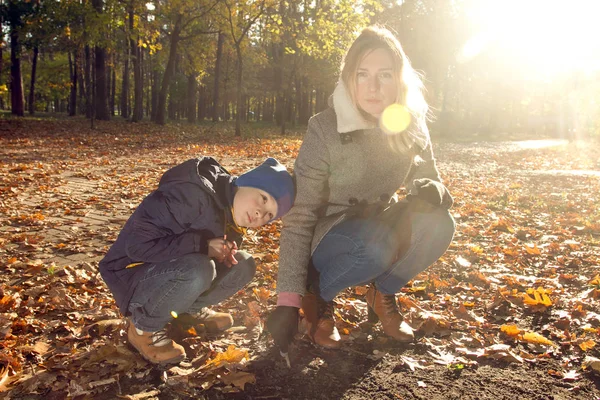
column 519, row 284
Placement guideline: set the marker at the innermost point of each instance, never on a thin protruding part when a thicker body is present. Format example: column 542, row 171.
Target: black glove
column 283, row 325
column 433, row 192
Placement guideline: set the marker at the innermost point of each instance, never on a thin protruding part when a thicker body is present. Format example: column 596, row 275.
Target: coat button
column 353, row 201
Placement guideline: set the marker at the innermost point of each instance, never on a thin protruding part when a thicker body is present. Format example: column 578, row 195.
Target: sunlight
column 540, row 144
column 394, row 119
column 546, row 37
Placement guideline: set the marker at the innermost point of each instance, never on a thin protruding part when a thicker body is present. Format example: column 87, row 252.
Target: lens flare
column 394, row 119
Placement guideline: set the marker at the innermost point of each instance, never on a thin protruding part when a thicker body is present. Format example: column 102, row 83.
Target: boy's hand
column 223, row 251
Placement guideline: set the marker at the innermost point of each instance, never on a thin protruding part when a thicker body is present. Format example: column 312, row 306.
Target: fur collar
column 349, row 119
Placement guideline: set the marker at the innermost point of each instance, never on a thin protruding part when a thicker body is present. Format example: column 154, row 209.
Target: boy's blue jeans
column 186, row 284
column 360, row 251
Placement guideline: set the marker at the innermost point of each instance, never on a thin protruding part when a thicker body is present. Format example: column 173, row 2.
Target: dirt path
column 528, row 226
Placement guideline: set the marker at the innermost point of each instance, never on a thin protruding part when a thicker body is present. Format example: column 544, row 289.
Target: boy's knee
column 246, row 266
column 198, row 270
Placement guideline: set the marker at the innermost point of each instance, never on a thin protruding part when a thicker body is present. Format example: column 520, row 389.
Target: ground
column 510, row 311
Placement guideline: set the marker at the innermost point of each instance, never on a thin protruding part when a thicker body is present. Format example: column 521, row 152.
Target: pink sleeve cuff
column 289, row 299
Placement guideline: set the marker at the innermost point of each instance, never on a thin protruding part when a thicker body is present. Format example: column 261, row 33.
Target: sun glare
column 546, row 37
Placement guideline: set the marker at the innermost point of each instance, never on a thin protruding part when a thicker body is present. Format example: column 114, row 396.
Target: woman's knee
column 355, row 251
column 436, row 228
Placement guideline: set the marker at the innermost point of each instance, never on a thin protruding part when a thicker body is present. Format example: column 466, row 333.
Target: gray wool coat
column 331, row 176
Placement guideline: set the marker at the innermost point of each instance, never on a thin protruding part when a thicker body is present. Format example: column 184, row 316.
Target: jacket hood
column 207, row 173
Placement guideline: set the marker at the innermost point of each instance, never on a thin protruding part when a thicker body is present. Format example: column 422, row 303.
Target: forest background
column 512, row 309
column 489, row 67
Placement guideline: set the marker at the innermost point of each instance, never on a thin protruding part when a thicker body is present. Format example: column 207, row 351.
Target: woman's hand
column 433, row 192
column 223, row 251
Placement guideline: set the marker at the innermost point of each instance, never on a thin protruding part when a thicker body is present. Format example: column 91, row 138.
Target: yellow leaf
column 588, row 344
column 232, row 355
column 534, row 251
column 532, row 337
column 529, row 301
column 540, row 297
column 510, row 330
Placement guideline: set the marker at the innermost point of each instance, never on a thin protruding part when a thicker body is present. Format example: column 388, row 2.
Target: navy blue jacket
column 191, row 205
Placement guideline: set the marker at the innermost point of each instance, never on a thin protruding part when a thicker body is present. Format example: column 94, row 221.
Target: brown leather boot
column 383, row 307
column 155, row 347
column 318, row 322
column 214, row 322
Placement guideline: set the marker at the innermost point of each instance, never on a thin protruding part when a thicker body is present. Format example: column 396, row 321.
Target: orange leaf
column 533, row 337
column 534, row 251
column 588, row 344
column 510, row 330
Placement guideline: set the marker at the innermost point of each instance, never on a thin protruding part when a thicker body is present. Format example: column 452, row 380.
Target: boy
column 178, row 252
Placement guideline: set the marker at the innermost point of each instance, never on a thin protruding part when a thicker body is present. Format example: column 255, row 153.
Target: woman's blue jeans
column 186, row 284
column 362, row 250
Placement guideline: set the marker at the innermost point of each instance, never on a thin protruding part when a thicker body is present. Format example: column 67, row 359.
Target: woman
column 348, row 169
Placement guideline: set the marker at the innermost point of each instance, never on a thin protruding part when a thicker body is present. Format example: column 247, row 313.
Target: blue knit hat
column 273, row 178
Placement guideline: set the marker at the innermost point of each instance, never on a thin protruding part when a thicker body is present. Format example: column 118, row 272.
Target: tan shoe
column 155, row 347
column 383, row 307
column 213, row 321
column 318, row 322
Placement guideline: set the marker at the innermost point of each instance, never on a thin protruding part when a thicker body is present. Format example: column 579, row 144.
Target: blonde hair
column 410, row 86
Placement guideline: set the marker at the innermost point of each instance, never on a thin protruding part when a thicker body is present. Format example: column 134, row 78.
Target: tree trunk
column 36, row 52
column 88, row 82
column 191, row 99
column 162, row 96
column 155, row 90
column 101, row 92
column 240, row 105
column 215, row 110
column 113, row 90
column 125, row 81
column 202, row 103
column 16, row 80
column 138, row 82
column 74, row 78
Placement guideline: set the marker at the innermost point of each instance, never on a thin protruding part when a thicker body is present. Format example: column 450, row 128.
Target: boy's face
column 253, row 207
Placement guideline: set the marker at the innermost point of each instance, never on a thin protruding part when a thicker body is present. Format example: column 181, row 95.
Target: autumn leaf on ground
column 532, row 250
column 540, row 297
column 536, row 338
column 510, row 330
column 239, row 379
column 232, row 355
column 587, row 345
column 501, row 225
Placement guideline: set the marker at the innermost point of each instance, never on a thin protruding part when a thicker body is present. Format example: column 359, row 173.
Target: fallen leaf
column 239, row 379
column 532, row 337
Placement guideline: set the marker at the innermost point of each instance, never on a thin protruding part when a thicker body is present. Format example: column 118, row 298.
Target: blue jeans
column 363, row 250
column 186, row 284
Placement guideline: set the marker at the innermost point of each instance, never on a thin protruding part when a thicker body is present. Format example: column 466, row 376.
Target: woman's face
column 376, row 86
